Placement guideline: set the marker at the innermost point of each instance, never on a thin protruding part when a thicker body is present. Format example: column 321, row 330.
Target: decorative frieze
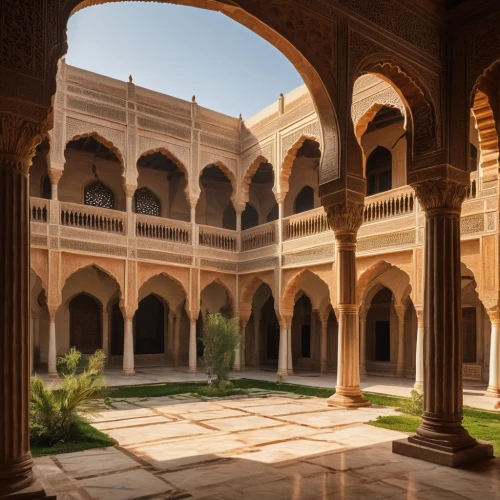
column 220, row 265
column 472, row 224
column 400, row 238
column 472, row 371
column 260, row 264
column 164, row 128
column 95, row 109
column 324, row 254
column 164, row 257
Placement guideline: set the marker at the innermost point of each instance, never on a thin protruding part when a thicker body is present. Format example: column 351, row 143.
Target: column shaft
column 323, row 355
column 192, row 347
column 362, row 343
column 52, row 353
column 289, row 364
column 105, row 333
column 128, row 348
column 283, row 352
column 256, row 341
column 419, row 361
column 400, row 367
column 494, row 374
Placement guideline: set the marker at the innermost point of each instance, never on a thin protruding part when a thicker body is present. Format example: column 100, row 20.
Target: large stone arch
column 171, row 156
column 178, row 275
column 422, row 123
column 229, row 174
column 248, row 174
column 310, row 45
column 311, row 284
column 249, row 290
column 101, row 137
column 290, row 157
column 169, row 299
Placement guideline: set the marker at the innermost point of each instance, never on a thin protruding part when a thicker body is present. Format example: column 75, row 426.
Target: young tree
column 221, row 338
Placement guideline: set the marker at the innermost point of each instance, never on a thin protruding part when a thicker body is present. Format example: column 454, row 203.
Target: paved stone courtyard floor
column 263, row 447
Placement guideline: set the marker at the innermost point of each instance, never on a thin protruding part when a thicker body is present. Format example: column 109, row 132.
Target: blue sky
column 181, row 51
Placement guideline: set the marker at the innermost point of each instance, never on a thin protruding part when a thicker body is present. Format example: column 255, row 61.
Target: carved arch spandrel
column 166, row 293
column 71, row 263
column 290, row 157
column 250, row 285
column 147, row 270
column 228, row 173
column 226, row 281
column 168, row 154
column 39, row 263
column 306, row 39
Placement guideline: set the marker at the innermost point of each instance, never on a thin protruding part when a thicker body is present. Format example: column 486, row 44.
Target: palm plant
column 56, row 410
column 221, row 338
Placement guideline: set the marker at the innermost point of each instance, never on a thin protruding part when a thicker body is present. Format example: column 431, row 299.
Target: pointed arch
column 229, row 174
column 179, row 275
column 104, row 141
column 310, row 283
column 290, row 157
column 250, row 289
column 173, row 158
column 248, row 174
column 487, row 130
column 162, row 293
column 219, row 280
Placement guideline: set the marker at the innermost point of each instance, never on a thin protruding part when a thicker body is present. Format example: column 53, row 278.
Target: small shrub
column 279, row 379
column 221, row 338
column 55, row 412
column 415, row 404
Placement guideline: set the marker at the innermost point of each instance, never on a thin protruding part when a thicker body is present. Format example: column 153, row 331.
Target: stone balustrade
column 305, row 224
column 393, row 203
column 94, row 218
column 39, row 210
column 214, row 237
column 159, row 228
column 260, row 236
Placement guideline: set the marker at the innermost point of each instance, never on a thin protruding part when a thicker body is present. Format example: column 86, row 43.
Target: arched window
column 304, row 200
column 98, row 194
column 249, row 218
column 147, row 203
column 473, row 158
column 85, row 324
column 379, row 171
column 229, row 217
column 46, row 188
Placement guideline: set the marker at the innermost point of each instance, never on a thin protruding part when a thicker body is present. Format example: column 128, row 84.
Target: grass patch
column 85, row 437
column 240, row 387
column 480, row 424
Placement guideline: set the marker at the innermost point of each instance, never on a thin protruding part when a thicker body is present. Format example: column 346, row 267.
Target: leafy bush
column 55, row 412
column 221, row 338
column 415, row 404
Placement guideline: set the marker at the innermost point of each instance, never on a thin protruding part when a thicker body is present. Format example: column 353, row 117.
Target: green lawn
column 240, row 386
column 86, row 437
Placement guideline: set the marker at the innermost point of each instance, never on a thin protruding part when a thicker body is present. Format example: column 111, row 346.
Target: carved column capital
column 420, row 318
column 55, row 175
column 52, row 312
column 345, row 219
column 128, row 312
column 280, row 197
column 400, row 311
column 440, row 195
column 130, row 190
column 193, row 315
column 285, row 322
column 19, row 138
column 494, row 315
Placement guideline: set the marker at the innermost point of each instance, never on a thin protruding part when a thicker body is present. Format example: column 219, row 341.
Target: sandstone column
column 323, row 353
column 441, row 438
column 256, row 339
column 105, row 332
column 192, row 345
column 494, row 378
column 177, row 338
column 400, row 368
column 129, row 196
column 283, row 349
column 19, row 138
column 419, row 361
column 289, row 361
column 128, row 341
column 52, row 351
column 363, row 313
column 55, row 176
column 345, row 220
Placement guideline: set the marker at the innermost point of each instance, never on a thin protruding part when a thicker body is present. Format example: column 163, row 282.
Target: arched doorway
column 150, row 326
column 270, row 335
column 378, row 327
column 85, row 323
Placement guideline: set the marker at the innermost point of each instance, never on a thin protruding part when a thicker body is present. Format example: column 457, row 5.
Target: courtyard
column 264, row 445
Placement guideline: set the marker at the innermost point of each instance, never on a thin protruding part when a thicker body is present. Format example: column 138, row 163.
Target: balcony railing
column 158, row 228
column 94, row 218
column 305, row 224
column 214, row 237
column 260, row 236
column 39, row 210
column 399, row 201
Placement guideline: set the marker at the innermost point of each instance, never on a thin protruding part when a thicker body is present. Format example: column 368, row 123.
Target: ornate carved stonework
column 444, row 194
column 345, row 219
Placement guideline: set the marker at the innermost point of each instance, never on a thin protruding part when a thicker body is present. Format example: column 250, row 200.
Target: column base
column 347, row 401
column 192, row 370
column 492, row 392
column 128, row 373
column 39, row 490
column 416, row 447
column 282, row 372
column 418, row 386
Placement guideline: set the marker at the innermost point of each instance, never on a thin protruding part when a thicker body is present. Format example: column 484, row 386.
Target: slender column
column 193, row 202
column 345, row 220
column 129, row 196
column 323, row 354
column 289, row 364
column 128, row 341
column 54, row 176
column 256, row 342
column 239, row 355
column 441, row 438
column 192, row 346
column 494, row 378
column 32, row 342
column 239, row 210
column 19, row 138
column 177, row 339
column 105, row 333
column 419, row 361
column 283, row 352
column 400, row 368
column 52, row 351
column 363, row 313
